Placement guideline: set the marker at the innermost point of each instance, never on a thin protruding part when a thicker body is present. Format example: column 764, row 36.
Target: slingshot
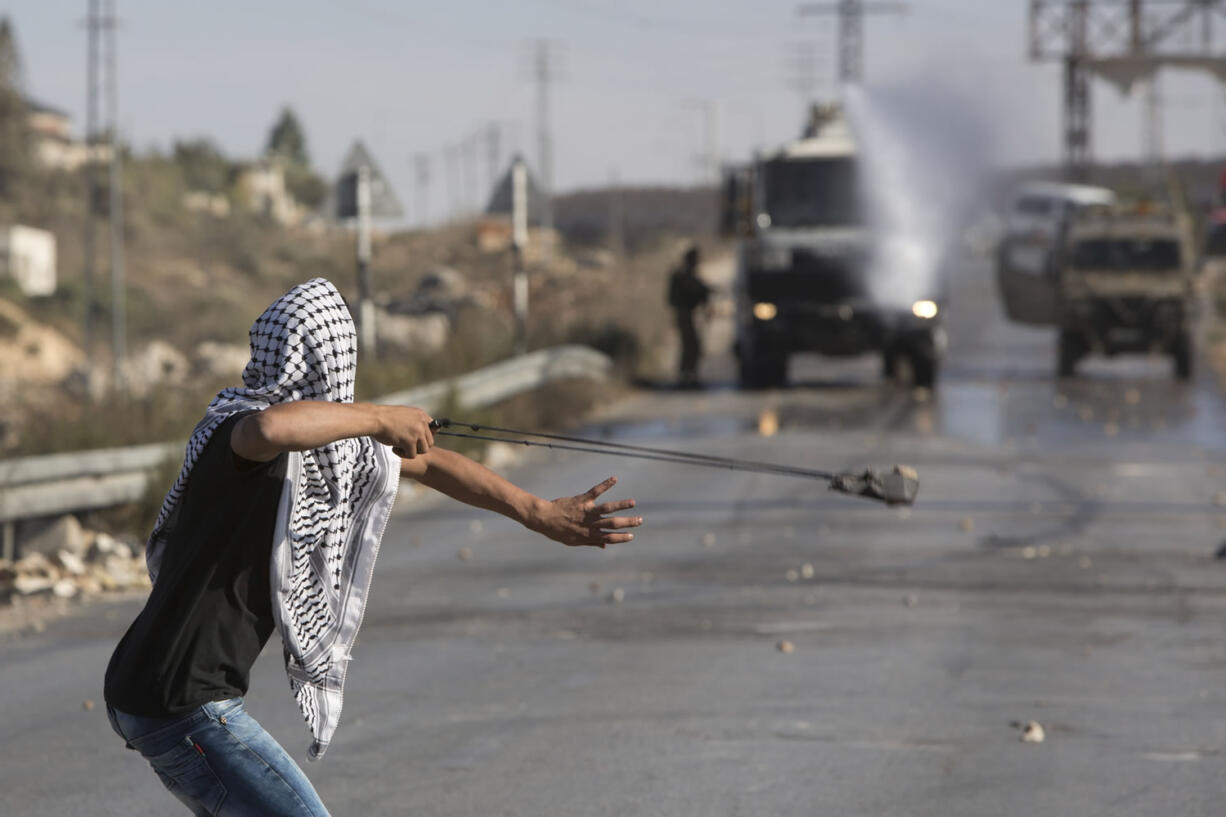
column 893, row 485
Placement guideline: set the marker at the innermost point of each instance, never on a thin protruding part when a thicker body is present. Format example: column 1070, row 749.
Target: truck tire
column 889, row 364
column 923, row 367
column 1183, row 356
column 1068, row 352
column 763, row 371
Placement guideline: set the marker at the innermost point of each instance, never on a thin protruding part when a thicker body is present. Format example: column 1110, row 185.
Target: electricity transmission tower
column 851, row 30
column 544, row 69
column 709, row 159
column 421, row 178
column 101, row 19
column 1124, row 42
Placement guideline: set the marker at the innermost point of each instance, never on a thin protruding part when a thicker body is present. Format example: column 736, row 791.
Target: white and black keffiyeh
column 334, row 505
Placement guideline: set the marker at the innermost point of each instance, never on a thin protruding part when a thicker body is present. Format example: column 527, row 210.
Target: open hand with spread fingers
column 578, row 521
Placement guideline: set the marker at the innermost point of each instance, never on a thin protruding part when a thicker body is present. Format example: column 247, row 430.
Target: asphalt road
column 1058, row 567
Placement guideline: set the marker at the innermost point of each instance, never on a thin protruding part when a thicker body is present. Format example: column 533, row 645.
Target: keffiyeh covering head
column 334, row 504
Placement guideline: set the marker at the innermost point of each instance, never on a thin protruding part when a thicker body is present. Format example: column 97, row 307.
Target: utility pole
column 367, row 336
column 493, row 155
column 617, row 226
column 1151, row 121
column 519, row 240
column 421, row 168
column 119, row 330
column 468, row 161
column 1116, row 40
column 543, row 70
column 362, row 193
column 452, row 160
column 94, row 25
column 709, row 159
column 850, row 15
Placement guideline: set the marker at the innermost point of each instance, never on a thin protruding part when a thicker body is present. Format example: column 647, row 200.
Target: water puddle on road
column 1104, row 407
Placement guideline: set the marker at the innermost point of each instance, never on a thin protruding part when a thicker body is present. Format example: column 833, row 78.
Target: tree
column 307, row 189
column 203, row 165
column 287, row 141
column 14, row 121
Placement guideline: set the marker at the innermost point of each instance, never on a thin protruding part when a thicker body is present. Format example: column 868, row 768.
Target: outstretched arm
column 575, row 521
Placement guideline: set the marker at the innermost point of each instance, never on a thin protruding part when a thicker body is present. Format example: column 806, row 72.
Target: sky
column 644, row 91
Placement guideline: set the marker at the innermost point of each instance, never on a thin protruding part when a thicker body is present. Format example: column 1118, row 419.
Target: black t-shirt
column 210, row 612
column 686, row 291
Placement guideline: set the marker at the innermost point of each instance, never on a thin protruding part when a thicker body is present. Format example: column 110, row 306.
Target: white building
column 260, row 186
column 54, row 145
column 27, row 255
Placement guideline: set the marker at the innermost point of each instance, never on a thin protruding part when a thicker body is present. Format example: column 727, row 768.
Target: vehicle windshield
column 812, row 193
column 1035, row 206
column 1125, row 255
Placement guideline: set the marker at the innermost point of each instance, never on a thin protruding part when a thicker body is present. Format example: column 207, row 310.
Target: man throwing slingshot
column 273, row 524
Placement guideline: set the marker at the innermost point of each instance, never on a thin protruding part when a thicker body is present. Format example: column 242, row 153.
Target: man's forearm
column 302, row 425
column 468, row 481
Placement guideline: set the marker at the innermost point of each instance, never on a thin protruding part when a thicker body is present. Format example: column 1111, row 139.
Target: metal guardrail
column 55, row 484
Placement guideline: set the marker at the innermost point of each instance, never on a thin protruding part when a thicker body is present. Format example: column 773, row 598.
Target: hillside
column 196, row 280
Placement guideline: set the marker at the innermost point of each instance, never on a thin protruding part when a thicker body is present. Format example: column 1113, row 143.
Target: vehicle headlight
column 925, row 309
column 764, row 311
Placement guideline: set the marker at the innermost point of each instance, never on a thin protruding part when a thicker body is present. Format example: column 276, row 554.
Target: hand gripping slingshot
column 893, row 485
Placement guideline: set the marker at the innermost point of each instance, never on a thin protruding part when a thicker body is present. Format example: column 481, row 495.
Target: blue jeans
column 219, row 761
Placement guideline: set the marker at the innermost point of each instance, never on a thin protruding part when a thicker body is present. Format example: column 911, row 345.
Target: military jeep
column 1126, row 285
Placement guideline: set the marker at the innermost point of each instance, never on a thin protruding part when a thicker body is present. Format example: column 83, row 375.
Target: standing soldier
column 687, row 292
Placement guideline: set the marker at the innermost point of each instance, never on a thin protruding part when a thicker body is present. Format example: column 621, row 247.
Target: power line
column 850, row 15
column 672, row 26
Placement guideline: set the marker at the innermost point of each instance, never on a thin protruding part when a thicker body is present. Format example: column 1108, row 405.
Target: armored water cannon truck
column 806, row 263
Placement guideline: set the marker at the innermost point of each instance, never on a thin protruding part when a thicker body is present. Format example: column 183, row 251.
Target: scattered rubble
column 157, row 363
column 1033, row 732
column 64, row 534
column 221, row 359
column 65, row 561
column 32, row 353
column 425, row 333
